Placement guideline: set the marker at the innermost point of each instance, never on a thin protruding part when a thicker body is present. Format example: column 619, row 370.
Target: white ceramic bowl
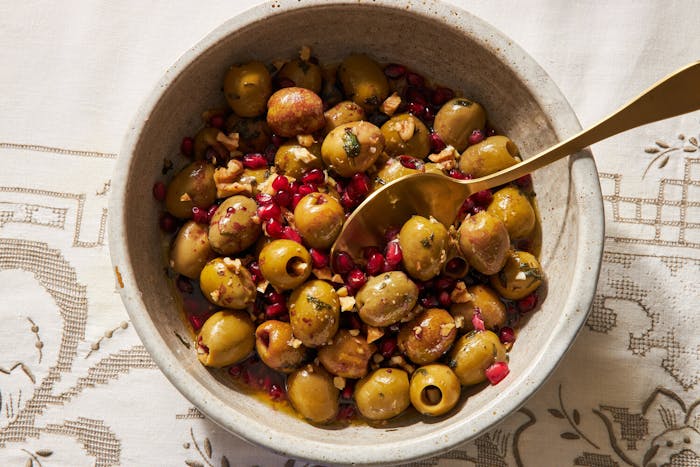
column 439, row 41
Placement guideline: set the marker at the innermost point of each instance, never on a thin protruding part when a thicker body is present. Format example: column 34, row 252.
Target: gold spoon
column 441, row 197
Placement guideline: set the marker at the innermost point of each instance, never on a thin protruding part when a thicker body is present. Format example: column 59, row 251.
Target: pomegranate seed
column 491, row 131
column 184, row 285
column 444, row 283
column 283, row 199
column 285, row 83
column 414, row 79
column 393, row 253
column 375, row 263
column 255, row 272
column 290, row 234
column 358, row 186
column 436, row 143
column 199, row 215
column 429, row 301
column 416, row 95
column 280, row 183
column 348, row 390
column 411, row 162
column 217, row 121
column 274, row 296
column 524, row 182
column 394, row 71
column 416, row 108
column 196, row 321
column 444, row 299
column 346, row 412
column 294, row 186
column 347, row 201
column 235, row 371
column 482, row 198
column 269, row 211
column 263, row 199
column 424, row 285
column 319, row 259
column 275, row 310
column 314, row 177
column 389, row 267
column 506, row 335
column 368, row 251
column 167, row 223
column 277, row 140
column 187, row 146
column 477, row 320
column 477, row 136
column 456, row 173
column 496, row 372
column 276, row 393
column 343, row 263
column 296, row 197
column 159, row 191
column 306, row 189
column 356, row 279
column 528, row 303
column 428, row 115
column 211, row 211
column 388, row 347
column 442, row 95
column 254, row 161
column 273, row 227
column 391, row 233
column 355, row 322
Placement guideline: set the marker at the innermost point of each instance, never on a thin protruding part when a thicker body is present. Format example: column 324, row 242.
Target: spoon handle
column 677, row 94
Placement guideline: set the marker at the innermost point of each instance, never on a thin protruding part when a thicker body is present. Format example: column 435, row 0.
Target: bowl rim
column 590, row 233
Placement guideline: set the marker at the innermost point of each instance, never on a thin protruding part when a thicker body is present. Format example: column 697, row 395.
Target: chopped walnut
column 460, row 294
column 226, row 179
column 446, row 329
column 347, row 303
column 305, row 140
column 417, row 331
column 459, row 322
column 342, row 292
column 377, row 358
column 337, row 278
column 339, row 382
column 405, row 128
column 390, row 104
column 266, row 185
column 520, row 276
column 374, row 333
column 262, row 286
column 230, row 141
column 322, row 273
column 220, row 269
column 214, row 294
column 445, row 159
column 185, row 197
column 294, row 343
column 305, row 53
column 233, row 265
column 354, row 333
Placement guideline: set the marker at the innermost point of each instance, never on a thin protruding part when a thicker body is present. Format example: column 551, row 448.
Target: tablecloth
column 77, row 386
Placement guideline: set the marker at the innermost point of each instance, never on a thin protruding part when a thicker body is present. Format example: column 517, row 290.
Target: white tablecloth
column 77, row 386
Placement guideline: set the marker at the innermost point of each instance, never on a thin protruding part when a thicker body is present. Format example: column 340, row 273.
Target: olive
column 227, row 337
column 312, row 394
column 489, row 156
column 424, row 245
column 484, row 242
column 521, row 275
column 227, row 283
column 434, row 389
column 473, row 353
column 352, row 147
column 343, row 112
column 511, row 206
column 274, row 342
column 390, row 171
column 295, row 111
column 383, row 394
column 428, row 336
column 206, row 139
column 318, row 218
column 255, row 177
column 190, row 250
column 314, row 312
column 347, row 355
column 293, row 159
column 285, row 263
column 303, row 74
column 234, row 226
column 386, row 299
column 457, row 119
column 432, row 168
column 254, row 133
column 247, row 88
column 193, row 186
column 483, row 298
column 405, row 134
column 363, row 81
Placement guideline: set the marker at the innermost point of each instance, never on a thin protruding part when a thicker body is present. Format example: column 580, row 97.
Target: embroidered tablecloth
column 78, row 388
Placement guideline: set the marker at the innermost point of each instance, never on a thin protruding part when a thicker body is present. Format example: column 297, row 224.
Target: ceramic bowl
column 454, row 48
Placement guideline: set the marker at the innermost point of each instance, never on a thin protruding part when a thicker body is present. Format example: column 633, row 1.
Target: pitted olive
column 347, row 355
column 521, row 275
column 383, row 394
column 391, row 170
column 511, row 206
column 386, row 299
column 247, row 88
column 434, row 389
column 314, row 312
column 428, row 336
column 254, row 133
column 457, row 119
column 227, row 337
column 206, row 139
column 489, row 156
column 285, row 263
column 424, row 244
column 295, row 111
column 343, row 112
column 319, row 218
column 192, row 186
column 363, row 81
column 190, row 250
column 483, row 298
column 352, row 147
column 293, row 159
column 484, row 242
column 405, row 134
column 473, row 353
column 234, row 226
column 227, row 283
column 274, row 342
column 303, row 74
column 312, row 393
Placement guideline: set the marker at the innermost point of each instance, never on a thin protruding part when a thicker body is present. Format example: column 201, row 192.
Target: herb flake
column 351, row 144
column 318, row 304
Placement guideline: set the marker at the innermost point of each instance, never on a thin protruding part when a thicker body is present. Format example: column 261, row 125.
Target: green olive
column 386, row 299
column 457, row 119
column 205, row 139
column 428, row 336
column 347, row 355
column 247, row 88
column 314, row 312
column 473, row 353
column 405, row 134
column 190, row 250
column 227, row 283
column 511, row 206
column 234, row 226
column 343, row 112
column 285, row 263
column 192, row 186
column 433, row 168
column 227, row 337
column 352, row 147
column 484, row 242
column 483, row 298
column 383, row 394
column 295, row 111
column 434, row 389
column 363, row 81
column 274, row 342
column 312, row 393
column 255, row 177
column 489, row 156
column 254, row 133
column 390, row 171
column 318, row 218
column 521, row 275
column 424, row 245
column 293, row 159
column 303, row 74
